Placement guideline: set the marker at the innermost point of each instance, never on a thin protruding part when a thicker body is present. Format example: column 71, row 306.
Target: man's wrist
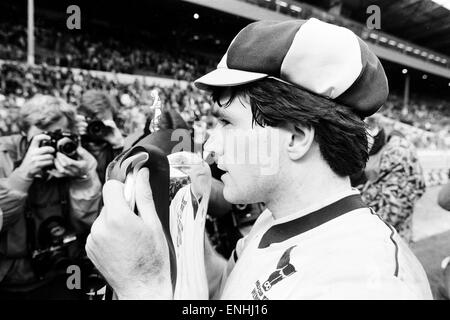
column 19, row 180
column 83, row 178
column 87, row 172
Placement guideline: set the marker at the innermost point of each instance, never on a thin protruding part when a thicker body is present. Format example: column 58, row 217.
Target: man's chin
column 234, row 197
column 230, row 196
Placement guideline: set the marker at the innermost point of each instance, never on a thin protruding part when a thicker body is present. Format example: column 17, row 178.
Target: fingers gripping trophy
column 179, row 185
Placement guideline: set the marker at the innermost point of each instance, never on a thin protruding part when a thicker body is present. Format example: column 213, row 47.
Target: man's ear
column 301, row 139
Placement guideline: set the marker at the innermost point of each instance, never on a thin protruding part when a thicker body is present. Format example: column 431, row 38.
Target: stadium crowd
column 107, row 53
column 427, row 117
column 19, row 82
column 425, row 124
column 428, row 114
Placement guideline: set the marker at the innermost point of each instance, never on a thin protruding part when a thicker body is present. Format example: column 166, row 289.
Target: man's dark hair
column 339, row 132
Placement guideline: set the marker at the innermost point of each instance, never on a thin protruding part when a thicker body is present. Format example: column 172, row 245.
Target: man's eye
column 224, row 122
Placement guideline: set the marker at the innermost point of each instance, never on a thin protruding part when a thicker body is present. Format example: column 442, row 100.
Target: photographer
column 98, row 130
column 48, row 197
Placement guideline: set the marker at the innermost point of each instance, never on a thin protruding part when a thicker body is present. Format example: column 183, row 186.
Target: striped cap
column 322, row 58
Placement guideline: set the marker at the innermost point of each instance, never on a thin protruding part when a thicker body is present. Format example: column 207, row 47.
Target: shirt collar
column 311, row 217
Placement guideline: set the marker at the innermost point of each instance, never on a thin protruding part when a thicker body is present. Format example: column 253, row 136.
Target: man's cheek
column 240, row 147
column 241, row 177
column 269, row 151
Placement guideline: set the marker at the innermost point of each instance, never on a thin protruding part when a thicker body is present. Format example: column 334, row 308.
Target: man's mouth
column 223, row 176
column 221, row 167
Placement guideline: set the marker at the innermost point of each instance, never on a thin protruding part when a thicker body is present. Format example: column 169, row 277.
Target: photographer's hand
column 131, row 251
column 75, row 168
column 36, row 157
column 81, row 125
column 115, row 138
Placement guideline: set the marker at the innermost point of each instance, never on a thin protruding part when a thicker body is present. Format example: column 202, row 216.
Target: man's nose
column 213, row 147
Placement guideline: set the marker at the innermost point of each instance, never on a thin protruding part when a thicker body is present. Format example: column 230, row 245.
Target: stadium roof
column 384, row 44
column 424, row 22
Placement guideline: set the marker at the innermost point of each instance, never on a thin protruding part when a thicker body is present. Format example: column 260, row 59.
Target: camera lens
column 51, row 231
column 56, row 232
column 96, row 128
column 67, row 146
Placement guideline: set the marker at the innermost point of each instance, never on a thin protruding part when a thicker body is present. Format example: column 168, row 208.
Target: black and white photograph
column 236, row 150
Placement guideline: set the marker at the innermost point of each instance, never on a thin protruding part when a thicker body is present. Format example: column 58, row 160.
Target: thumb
column 82, row 152
column 144, row 198
column 114, row 200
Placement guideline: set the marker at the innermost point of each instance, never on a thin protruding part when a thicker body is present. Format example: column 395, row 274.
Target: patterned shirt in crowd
column 399, row 185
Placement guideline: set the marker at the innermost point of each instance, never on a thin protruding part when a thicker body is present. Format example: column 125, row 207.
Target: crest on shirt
column 283, row 270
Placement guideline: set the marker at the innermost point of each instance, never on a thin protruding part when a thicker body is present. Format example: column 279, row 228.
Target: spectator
column 392, row 181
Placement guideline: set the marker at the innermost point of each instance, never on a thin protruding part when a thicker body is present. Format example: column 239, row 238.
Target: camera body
column 96, row 130
column 55, row 241
column 64, row 142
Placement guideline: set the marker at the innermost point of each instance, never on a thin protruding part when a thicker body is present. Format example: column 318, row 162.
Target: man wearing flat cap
column 292, row 95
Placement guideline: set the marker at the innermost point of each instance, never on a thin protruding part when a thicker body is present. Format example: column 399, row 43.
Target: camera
column 64, row 142
column 97, row 130
column 58, row 248
column 54, row 241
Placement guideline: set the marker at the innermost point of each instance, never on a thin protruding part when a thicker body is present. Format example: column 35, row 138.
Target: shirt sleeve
column 13, row 192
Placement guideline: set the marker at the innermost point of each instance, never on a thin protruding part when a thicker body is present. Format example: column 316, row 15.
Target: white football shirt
column 338, row 249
